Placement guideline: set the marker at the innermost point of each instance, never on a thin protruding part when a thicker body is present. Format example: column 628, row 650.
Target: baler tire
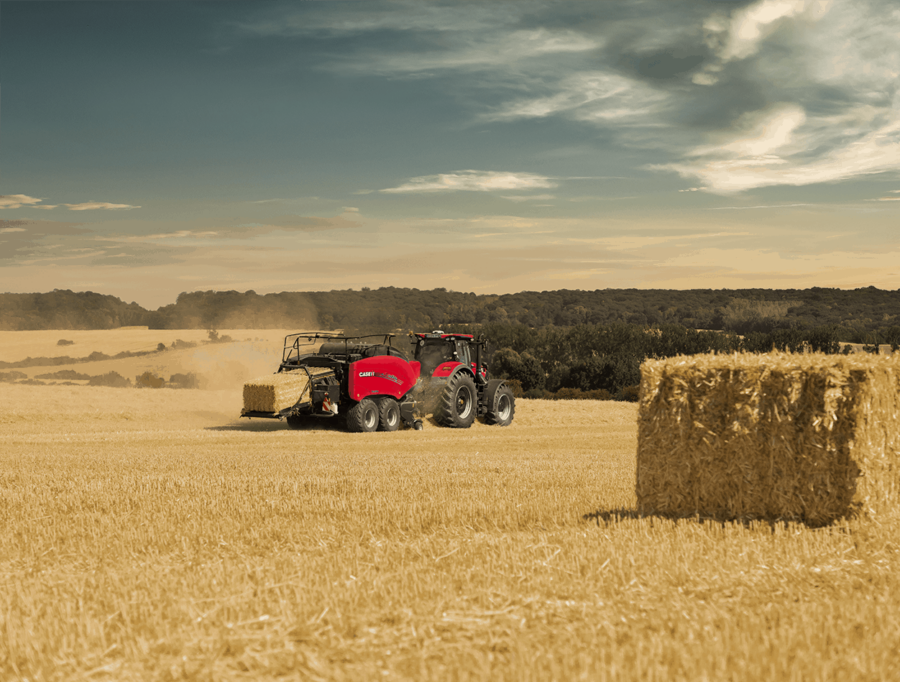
column 501, row 406
column 388, row 415
column 298, row 423
column 457, row 404
column 363, row 417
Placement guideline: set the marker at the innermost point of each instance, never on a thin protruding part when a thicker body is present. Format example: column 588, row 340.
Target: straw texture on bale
column 805, row 437
column 276, row 392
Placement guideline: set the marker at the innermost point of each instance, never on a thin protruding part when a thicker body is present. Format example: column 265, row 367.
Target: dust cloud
column 228, row 366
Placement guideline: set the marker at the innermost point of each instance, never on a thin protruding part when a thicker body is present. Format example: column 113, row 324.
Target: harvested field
column 252, row 352
column 152, row 535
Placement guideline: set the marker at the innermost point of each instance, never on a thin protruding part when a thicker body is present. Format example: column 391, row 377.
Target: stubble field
column 150, row 534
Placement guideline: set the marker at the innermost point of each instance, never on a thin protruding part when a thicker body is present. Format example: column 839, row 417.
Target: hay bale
column 276, row 392
column 806, row 437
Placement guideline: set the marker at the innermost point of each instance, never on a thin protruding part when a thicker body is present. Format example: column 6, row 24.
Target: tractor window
column 462, row 353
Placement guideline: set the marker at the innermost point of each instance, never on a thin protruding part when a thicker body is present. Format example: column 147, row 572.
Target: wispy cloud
column 473, row 181
column 22, row 239
column 835, row 69
column 737, row 96
column 750, row 208
column 247, row 228
column 99, row 206
column 634, row 242
column 528, row 197
column 25, row 201
column 726, row 170
column 463, row 37
column 180, row 234
column 370, row 17
column 17, row 201
column 591, row 96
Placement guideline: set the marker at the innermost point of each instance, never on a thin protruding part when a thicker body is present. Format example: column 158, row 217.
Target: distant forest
column 549, row 344
column 867, row 315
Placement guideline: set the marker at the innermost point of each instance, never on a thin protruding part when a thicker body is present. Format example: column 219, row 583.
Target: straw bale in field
column 808, row 437
column 275, row 392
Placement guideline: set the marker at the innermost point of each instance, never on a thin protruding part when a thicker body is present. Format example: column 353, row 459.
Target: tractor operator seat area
column 433, row 353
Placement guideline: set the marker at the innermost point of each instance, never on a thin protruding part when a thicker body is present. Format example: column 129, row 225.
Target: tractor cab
column 457, row 387
column 436, row 348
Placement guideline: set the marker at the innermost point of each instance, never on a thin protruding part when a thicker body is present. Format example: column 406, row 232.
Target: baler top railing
column 304, row 343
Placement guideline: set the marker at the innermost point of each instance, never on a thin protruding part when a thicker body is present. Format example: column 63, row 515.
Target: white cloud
column 746, row 161
column 99, row 205
column 473, row 181
column 774, row 130
column 6, row 230
column 740, row 36
column 750, row 24
column 17, row 201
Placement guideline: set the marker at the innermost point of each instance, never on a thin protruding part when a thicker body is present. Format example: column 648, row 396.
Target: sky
column 149, row 148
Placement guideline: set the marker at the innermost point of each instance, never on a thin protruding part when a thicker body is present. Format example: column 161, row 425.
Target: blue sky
column 150, row 148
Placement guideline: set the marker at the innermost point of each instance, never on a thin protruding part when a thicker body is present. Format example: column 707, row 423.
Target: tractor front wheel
column 501, row 404
column 457, row 403
column 363, row 417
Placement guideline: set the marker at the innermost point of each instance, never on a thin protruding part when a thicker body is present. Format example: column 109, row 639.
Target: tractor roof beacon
column 372, row 385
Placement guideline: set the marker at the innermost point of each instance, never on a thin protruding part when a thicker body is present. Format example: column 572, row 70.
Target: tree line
column 603, row 361
column 866, row 315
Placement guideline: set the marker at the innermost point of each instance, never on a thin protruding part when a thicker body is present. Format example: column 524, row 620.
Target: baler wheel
column 389, row 415
column 457, row 403
column 363, row 417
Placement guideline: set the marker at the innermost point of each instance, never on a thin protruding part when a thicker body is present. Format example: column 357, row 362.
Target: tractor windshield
column 433, row 353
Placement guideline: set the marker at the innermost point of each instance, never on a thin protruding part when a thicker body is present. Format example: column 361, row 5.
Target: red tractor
column 457, row 388
column 374, row 385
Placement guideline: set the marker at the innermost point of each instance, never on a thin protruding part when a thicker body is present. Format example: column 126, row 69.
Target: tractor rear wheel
column 389, row 415
column 501, row 404
column 456, row 405
column 363, row 417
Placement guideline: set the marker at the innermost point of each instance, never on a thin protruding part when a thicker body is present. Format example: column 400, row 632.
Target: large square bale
column 805, row 437
column 275, row 392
